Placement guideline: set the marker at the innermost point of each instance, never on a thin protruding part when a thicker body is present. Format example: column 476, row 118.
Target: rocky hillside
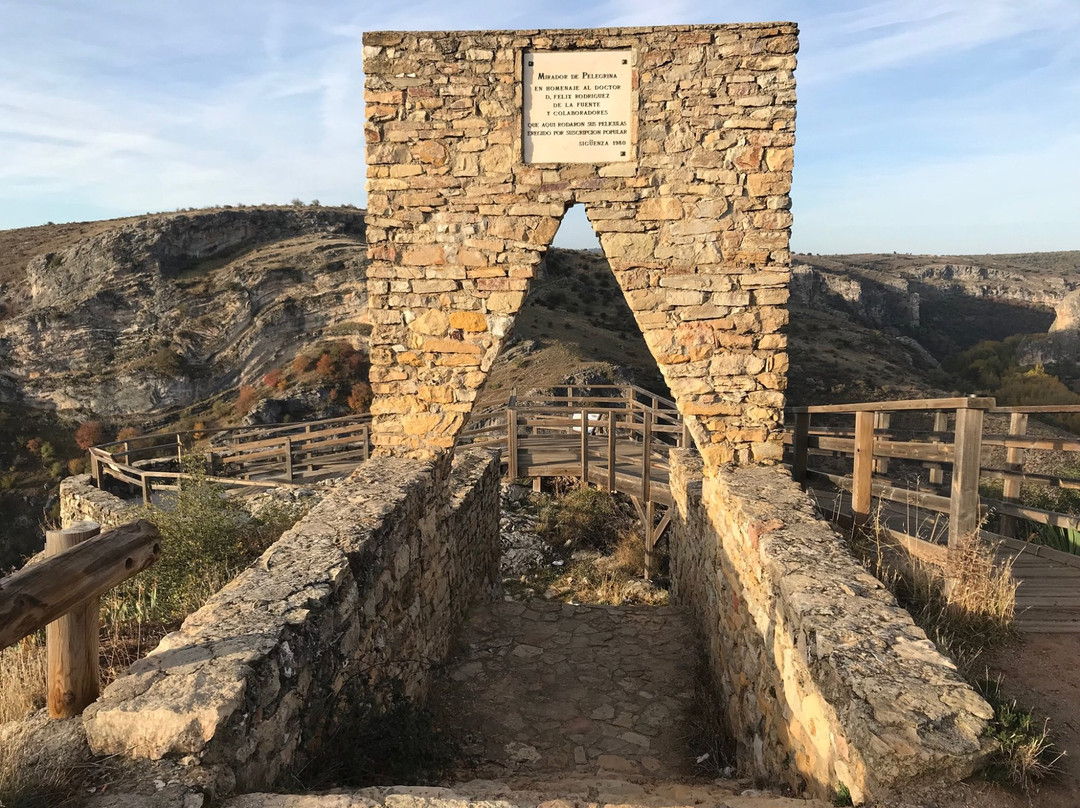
column 133, row 316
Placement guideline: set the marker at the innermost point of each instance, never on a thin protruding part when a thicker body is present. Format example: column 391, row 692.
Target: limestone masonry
column 360, row 598
column 695, row 225
column 823, row 677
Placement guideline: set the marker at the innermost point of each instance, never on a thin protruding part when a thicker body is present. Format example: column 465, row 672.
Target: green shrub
column 207, row 537
column 1027, row 754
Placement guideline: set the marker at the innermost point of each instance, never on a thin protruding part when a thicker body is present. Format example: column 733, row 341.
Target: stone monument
column 677, row 140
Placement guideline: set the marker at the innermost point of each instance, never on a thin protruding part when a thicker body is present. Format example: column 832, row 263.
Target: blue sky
column 923, row 125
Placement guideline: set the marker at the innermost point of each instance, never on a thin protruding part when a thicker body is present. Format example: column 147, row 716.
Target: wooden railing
column 60, row 593
column 609, row 424
column 261, row 456
column 928, row 455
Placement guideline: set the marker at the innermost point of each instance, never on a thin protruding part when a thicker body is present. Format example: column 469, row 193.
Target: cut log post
column 1014, row 461
column 38, row 594
column 862, row 477
column 71, row 641
column 287, row 449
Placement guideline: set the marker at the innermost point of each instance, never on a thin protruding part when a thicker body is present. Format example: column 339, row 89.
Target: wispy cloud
column 911, row 111
column 889, row 34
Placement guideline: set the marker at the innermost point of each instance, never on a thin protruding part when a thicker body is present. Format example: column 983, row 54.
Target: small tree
column 360, row 397
column 89, row 433
column 127, row 433
column 326, row 367
column 272, row 378
column 301, row 363
column 246, row 400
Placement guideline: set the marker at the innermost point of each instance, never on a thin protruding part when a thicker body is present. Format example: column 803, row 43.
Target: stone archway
column 693, row 216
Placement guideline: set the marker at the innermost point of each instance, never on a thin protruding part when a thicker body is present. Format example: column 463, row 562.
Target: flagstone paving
column 542, row 687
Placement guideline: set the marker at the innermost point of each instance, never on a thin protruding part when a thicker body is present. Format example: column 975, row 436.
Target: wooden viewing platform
column 914, row 469
column 614, row 436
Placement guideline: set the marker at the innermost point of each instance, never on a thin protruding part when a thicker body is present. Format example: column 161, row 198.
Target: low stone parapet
column 81, row 499
column 825, row 680
column 357, row 601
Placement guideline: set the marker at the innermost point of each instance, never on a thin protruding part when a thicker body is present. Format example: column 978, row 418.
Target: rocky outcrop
column 167, row 310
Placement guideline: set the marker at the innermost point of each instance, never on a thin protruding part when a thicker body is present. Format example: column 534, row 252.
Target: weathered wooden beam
column 862, row 478
column 36, row 595
column 1014, row 461
column 71, row 641
column 612, row 451
column 941, row 424
column 964, row 514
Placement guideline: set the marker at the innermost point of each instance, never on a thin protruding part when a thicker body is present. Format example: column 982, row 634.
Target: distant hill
column 132, row 316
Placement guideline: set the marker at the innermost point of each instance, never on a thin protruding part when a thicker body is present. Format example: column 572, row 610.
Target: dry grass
column 22, row 679
column 966, row 607
column 1027, row 753
column 612, row 579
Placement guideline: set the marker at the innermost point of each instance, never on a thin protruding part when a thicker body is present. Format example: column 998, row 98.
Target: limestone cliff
column 166, row 310
column 948, row 303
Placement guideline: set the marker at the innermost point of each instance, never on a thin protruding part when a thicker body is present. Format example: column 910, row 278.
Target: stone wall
column 695, row 225
column 81, row 499
column 825, row 679
column 361, row 597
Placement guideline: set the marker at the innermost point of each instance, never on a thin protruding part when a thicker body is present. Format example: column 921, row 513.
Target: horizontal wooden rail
column 38, row 594
column 969, row 402
column 953, row 458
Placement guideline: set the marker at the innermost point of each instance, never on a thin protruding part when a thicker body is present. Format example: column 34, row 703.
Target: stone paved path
column 540, row 687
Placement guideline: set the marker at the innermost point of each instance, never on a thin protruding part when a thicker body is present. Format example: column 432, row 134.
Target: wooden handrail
column 959, row 449
column 967, row 402
column 38, row 594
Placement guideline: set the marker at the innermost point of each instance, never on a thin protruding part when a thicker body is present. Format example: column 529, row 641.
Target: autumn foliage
column 89, row 433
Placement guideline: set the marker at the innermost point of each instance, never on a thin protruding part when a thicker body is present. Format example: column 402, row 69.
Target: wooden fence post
column 585, row 446
column 511, row 440
column 801, row 448
column 941, row 424
column 862, row 477
column 882, row 420
column 71, row 641
column 612, row 451
column 650, row 541
column 646, row 458
column 964, row 495
column 1014, row 461
column 288, row 458
column 95, row 469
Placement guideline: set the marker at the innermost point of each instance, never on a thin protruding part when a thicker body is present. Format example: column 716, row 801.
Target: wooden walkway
column 913, row 469
column 541, row 456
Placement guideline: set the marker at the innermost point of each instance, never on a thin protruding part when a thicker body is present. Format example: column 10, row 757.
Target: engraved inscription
column 577, row 106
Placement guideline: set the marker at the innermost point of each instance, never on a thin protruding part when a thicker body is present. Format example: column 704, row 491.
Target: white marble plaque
column 577, row 106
